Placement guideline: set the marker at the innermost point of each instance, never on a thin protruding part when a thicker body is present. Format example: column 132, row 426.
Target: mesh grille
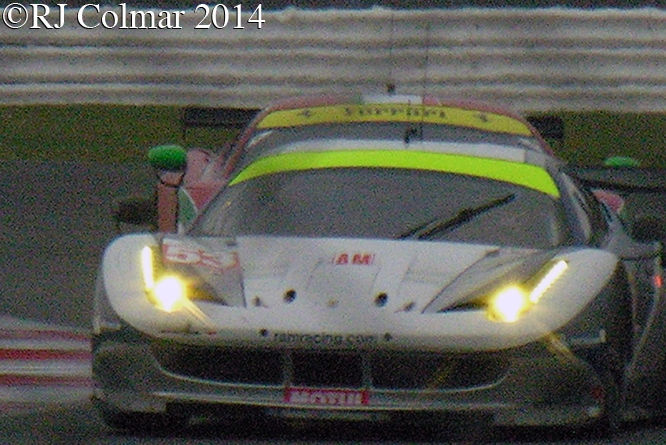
column 435, row 371
column 332, row 369
column 327, row 370
column 233, row 365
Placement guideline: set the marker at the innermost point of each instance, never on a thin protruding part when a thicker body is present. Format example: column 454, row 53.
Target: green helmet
column 168, row 157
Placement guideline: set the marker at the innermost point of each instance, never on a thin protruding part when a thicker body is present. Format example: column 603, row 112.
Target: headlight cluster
column 168, row 292
column 511, row 302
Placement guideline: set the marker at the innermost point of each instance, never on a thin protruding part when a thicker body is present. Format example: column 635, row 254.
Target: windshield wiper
column 440, row 224
column 411, row 132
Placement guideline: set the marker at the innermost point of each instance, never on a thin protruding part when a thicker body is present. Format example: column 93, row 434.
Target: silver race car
column 377, row 258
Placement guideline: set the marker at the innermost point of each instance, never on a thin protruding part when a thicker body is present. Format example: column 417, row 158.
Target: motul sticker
column 176, row 252
column 354, row 259
column 326, row 397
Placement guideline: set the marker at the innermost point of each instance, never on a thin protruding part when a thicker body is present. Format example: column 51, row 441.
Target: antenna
column 390, row 84
column 426, row 62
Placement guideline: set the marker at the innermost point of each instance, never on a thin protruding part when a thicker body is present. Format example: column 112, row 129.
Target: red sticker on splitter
column 326, row 397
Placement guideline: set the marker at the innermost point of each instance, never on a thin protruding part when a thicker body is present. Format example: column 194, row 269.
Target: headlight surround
column 510, row 303
column 167, row 291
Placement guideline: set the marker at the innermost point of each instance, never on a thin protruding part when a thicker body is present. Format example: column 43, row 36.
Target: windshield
column 385, row 203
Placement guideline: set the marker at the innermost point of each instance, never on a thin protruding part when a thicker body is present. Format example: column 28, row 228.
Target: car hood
column 291, row 290
column 348, row 274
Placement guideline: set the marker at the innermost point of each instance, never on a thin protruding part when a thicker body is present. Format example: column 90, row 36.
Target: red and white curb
column 40, row 363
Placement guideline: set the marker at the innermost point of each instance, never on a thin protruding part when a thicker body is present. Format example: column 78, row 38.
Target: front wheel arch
column 602, row 334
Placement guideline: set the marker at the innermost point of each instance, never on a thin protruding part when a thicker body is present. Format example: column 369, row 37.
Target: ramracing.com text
column 324, row 340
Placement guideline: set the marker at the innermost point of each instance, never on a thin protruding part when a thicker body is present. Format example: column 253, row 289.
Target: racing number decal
column 180, row 253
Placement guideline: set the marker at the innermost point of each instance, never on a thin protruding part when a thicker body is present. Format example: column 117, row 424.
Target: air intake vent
column 328, row 370
column 233, row 365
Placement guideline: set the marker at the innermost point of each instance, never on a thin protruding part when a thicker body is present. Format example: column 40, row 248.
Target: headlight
column 148, row 268
column 168, row 292
column 553, row 271
column 165, row 292
column 510, row 303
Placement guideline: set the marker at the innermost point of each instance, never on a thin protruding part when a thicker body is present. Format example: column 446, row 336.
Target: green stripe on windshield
column 526, row 175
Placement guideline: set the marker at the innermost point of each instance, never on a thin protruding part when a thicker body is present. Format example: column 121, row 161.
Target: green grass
column 592, row 137
column 98, row 133
column 104, row 133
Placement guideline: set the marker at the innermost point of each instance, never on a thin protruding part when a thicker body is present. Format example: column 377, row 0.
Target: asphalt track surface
column 78, row 424
column 55, row 219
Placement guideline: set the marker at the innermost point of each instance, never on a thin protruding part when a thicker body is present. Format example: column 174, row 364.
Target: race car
column 381, row 258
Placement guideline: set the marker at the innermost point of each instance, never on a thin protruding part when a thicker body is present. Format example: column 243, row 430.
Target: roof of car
column 527, row 162
column 392, row 108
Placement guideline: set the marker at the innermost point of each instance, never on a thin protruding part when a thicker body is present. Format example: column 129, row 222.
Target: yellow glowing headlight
column 169, row 294
column 148, row 267
column 508, row 304
column 553, row 273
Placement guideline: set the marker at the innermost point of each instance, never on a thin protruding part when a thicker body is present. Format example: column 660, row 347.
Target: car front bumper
column 537, row 384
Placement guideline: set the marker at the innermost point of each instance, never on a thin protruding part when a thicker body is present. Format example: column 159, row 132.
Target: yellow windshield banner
column 404, row 113
column 526, row 175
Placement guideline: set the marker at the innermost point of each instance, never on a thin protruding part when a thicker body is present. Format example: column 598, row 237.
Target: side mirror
column 169, row 162
column 136, row 210
column 649, row 228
